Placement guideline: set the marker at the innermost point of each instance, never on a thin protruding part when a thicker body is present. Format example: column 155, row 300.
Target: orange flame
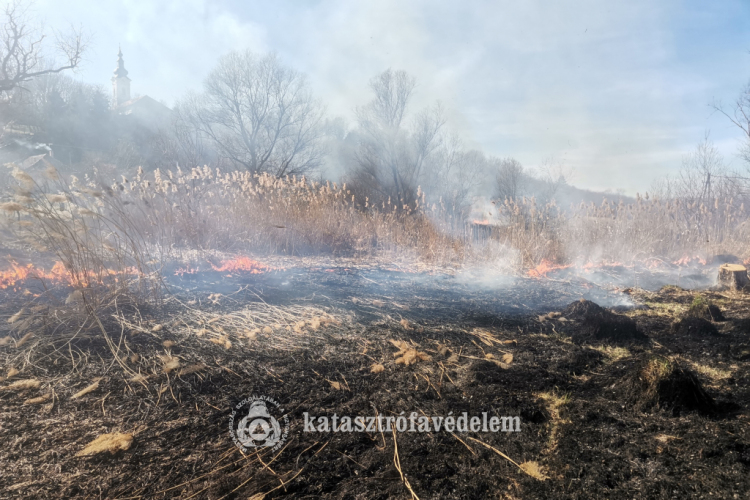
column 58, row 274
column 244, row 264
column 687, row 260
column 590, row 265
column 236, row 264
column 653, row 263
column 544, row 267
column 18, row 274
column 186, row 270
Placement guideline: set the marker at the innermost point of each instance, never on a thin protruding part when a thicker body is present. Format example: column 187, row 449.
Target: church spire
column 120, row 71
column 120, row 82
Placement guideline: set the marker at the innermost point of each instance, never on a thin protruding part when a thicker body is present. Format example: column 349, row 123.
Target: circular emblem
column 254, row 423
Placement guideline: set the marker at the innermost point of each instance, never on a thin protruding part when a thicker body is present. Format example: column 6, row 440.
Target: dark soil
column 713, row 313
column 703, row 309
column 597, row 422
column 692, row 326
column 597, row 324
column 579, row 361
column 661, row 383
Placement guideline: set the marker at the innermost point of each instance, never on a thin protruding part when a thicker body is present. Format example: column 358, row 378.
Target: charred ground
column 625, row 402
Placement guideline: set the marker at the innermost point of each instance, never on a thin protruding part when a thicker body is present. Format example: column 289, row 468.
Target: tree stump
column 733, row 275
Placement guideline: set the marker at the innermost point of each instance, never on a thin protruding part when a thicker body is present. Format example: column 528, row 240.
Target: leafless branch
column 259, row 115
column 21, row 49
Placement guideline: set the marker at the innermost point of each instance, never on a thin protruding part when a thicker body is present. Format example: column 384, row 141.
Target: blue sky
column 616, row 91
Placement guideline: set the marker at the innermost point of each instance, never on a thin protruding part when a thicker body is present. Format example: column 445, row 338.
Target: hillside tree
column 393, row 153
column 24, row 49
column 258, row 114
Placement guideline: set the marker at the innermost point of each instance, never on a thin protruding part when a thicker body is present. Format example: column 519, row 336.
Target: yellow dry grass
column 534, row 470
column 16, row 316
column 22, row 385
column 210, row 208
column 222, row 341
column 24, row 339
column 613, row 353
column 169, row 363
column 408, row 355
column 39, row 400
column 554, row 402
column 190, row 369
column 111, row 443
column 715, row 374
column 91, row 388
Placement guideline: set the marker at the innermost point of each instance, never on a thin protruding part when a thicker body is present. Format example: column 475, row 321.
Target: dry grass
column 714, row 374
column 39, row 400
column 91, row 388
column 241, row 212
column 656, row 369
column 377, row 368
column 286, row 328
column 194, row 368
column 22, row 385
column 622, row 232
column 111, row 443
column 114, row 236
column 613, row 353
column 87, row 227
column 407, row 354
column 532, row 468
column 170, row 363
column 555, row 403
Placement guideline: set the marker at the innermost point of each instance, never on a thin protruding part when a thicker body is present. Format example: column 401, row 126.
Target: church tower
column 120, row 83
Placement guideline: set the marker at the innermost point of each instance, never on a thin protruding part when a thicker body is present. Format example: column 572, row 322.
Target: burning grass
column 96, row 230
column 123, row 352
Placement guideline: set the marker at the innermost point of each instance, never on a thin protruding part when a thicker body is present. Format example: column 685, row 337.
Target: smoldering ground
column 335, row 339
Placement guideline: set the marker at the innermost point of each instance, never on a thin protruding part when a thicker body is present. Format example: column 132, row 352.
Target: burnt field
column 488, row 269
column 644, row 397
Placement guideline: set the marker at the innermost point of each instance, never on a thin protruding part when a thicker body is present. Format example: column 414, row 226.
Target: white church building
column 144, row 110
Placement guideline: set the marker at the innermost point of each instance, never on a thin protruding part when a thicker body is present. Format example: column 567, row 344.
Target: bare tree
column 21, row 49
column 739, row 115
column 390, row 157
column 509, row 178
column 181, row 145
column 456, row 176
column 258, row 114
column 663, row 188
column 703, row 176
column 549, row 178
column 393, row 91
